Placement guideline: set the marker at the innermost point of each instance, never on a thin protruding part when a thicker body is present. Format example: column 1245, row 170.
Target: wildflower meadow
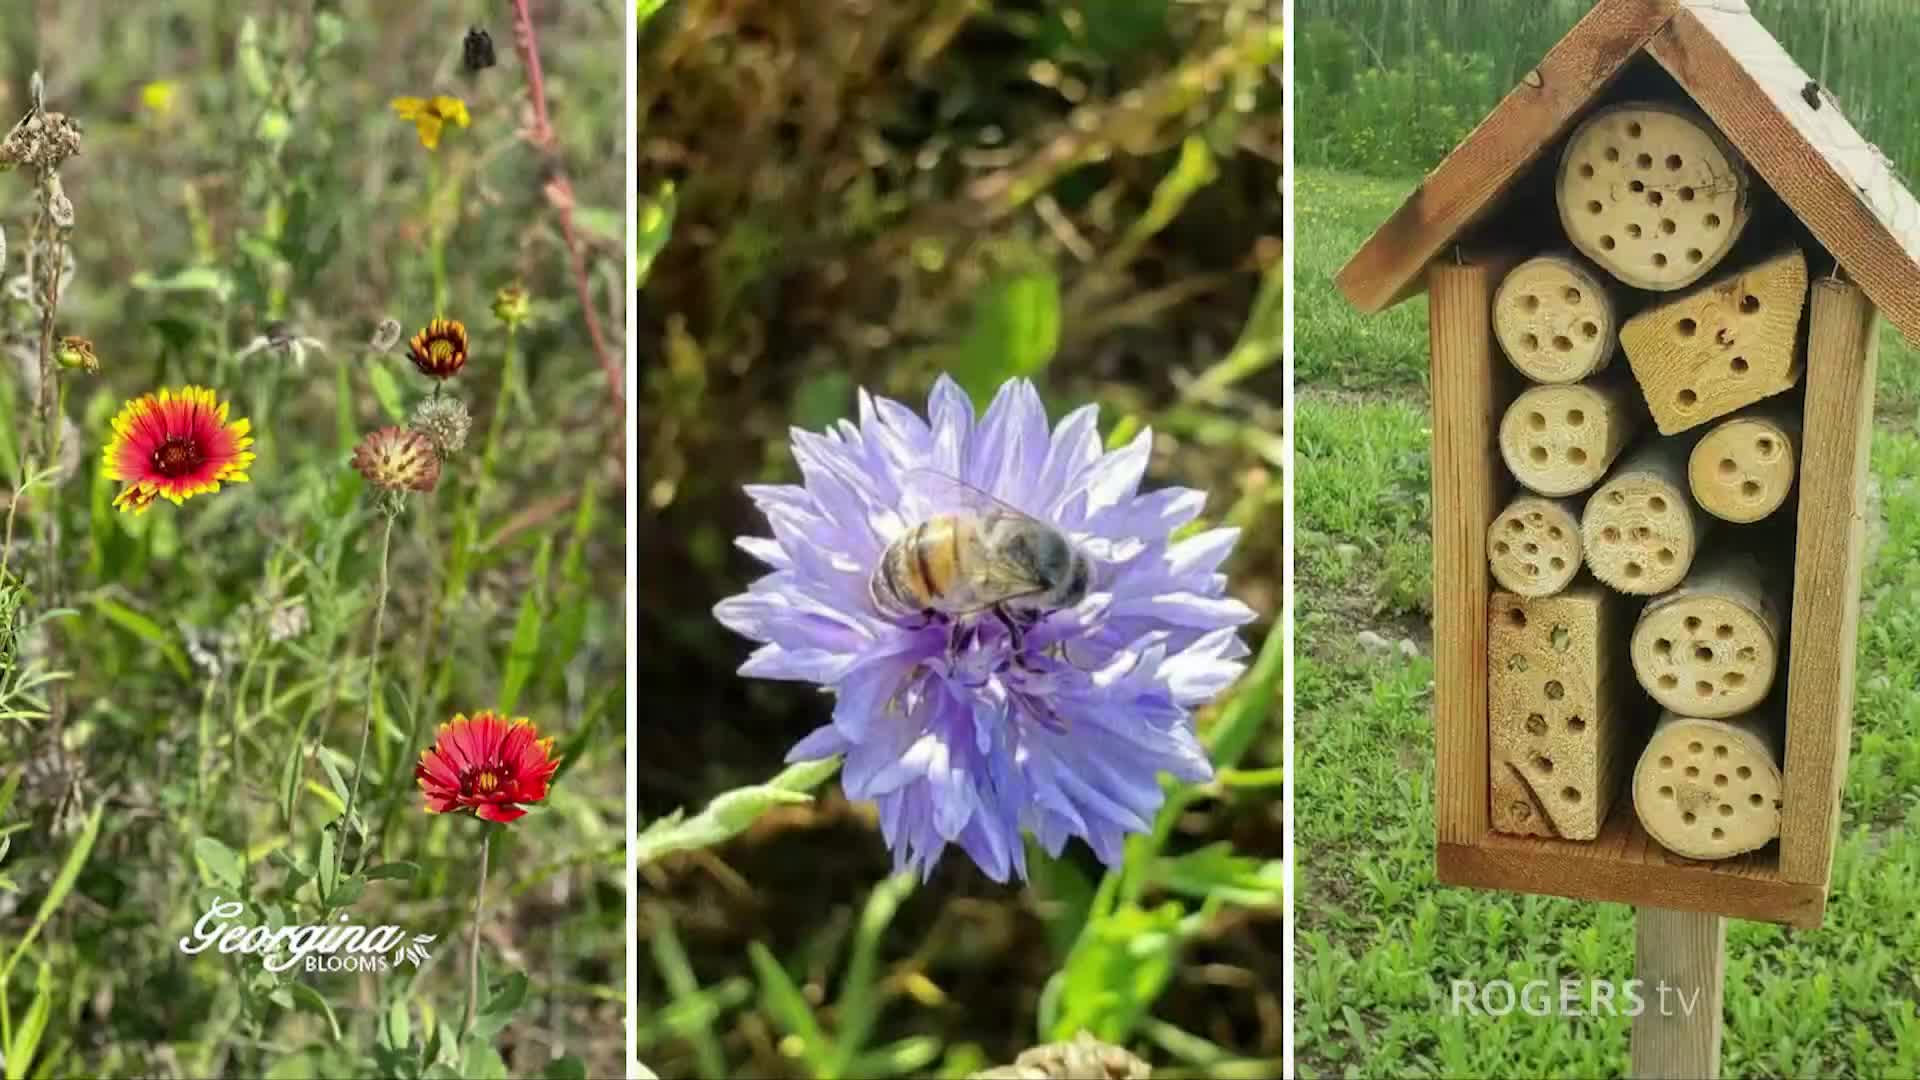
column 312, row 645
column 960, row 417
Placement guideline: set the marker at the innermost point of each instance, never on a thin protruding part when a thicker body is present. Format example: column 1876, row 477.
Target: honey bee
column 983, row 556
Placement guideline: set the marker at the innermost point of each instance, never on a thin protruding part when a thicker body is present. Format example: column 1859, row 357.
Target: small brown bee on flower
column 439, row 351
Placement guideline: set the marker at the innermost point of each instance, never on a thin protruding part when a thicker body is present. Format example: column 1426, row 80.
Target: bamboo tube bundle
column 1653, row 194
column 1720, row 347
column 1559, row 710
column 1640, row 528
column 1743, row 469
column 1711, row 648
column 1533, row 547
column 1556, row 319
column 1560, row 440
column 1711, row 789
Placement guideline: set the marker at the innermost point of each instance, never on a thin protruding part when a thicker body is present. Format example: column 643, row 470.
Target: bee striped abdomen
column 922, row 569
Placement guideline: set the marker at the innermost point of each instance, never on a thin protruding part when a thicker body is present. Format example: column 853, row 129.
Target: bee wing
column 939, row 493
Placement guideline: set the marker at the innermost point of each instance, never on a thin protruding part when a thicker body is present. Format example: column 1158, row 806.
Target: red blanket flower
column 487, row 764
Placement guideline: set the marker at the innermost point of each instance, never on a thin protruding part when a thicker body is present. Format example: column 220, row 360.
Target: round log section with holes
column 1641, row 529
column 1653, row 194
column 1560, row 440
column 1721, row 347
column 1712, row 646
column 1533, row 547
column 1555, row 319
column 1744, row 468
column 1710, row 789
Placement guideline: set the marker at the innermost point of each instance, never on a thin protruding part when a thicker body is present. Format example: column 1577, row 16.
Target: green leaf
column 483, row 1062
column 783, row 1001
column 1014, row 332
column 505, row 1000
column 387, row 391
column 26, row 1040
column 399, row 1027
column 7, row 791
column 857, row 1008
column 219, row 863
column 307, row 999
column 1217, row 871
column 57, row 893
column 655, row 224
column 565, row 1068
column 1252, row 708
column 526, row 632
column 908, row 1057
column 203, row 279
column 146, row 630
column 1117, row 970
column 327, row 863
column 393, row 871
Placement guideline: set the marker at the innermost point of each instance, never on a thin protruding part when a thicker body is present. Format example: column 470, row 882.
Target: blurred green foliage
column 247, row 208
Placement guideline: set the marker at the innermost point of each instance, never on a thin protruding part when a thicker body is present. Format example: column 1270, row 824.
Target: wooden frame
column 1795, row 138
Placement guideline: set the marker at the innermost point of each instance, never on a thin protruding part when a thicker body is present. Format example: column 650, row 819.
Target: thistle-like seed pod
column 445, row 423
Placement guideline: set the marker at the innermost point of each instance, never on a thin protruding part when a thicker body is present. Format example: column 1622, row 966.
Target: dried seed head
column 445, row 423
column 41, row 141
column 396, row 460
column 386, row 335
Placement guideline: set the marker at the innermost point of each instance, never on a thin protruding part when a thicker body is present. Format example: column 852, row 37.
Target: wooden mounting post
column 1681, row 959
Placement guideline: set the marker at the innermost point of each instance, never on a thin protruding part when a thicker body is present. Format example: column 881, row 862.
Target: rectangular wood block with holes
column 1562, row 714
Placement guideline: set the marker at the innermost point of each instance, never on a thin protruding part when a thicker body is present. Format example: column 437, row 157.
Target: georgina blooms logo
column 342, row 946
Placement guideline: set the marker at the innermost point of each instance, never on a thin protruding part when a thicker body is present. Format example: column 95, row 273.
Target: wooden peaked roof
column 1792, row 134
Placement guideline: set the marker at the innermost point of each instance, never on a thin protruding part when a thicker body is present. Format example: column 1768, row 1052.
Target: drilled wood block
column 1744, row 468
column 1556, row 319
column 1560, row 440
column 1534, row 545
column 1722, row 346
column 1653, row 194
column 1710, row 789
column 1640, row 528
column 1712, row 646
column 1560, row 705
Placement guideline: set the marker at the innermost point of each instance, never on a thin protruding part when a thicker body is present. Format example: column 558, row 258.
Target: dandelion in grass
column 397, row 459
column 1014, row 637
column 174, row 445
column 431, row 115
column 488, row 764
column 440, row 350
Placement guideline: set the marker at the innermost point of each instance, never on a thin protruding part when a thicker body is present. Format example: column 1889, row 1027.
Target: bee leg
column 1015, row 633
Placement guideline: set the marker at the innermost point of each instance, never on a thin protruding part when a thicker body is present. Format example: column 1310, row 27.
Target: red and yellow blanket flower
column 174, row 445
column 487, row 764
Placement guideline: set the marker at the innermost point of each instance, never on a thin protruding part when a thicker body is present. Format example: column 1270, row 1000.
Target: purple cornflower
column 955, row 734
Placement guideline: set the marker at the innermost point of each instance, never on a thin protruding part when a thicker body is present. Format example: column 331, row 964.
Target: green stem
column 373, row 684
column 473, row 953
column 436, row 238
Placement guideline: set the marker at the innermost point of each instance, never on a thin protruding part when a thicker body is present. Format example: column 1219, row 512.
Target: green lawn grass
column 1379, row 941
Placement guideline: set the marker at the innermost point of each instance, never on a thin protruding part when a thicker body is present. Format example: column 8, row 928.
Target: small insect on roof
column 1841, row 187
